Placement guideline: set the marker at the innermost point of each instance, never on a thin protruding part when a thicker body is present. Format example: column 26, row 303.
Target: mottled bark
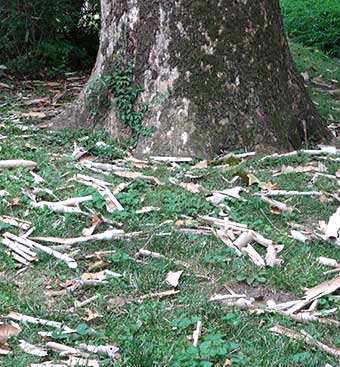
column 216, row 75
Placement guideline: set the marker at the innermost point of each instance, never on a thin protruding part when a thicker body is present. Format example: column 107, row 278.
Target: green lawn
column 157, row 331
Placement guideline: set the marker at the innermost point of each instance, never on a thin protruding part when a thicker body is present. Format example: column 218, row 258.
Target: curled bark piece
column 96, row 166
column 333, row 228
column 22, row 251
column 244, row 239
column 32, row 349
column 226, row 297
column 168, row 293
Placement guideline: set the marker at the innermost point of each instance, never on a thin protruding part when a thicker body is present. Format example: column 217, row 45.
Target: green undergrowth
column 314, row 23
column 157, row 331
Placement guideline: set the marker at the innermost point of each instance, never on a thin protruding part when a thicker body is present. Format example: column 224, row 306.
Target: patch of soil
column 261, row 293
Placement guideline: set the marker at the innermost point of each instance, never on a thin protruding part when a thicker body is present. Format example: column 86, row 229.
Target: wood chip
column 173, row 278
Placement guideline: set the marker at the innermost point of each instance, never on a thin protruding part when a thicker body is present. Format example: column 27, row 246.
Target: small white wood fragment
column 197, row 333
column 328, row 262
column 297, row 235
column 255, row 257
column 271, row 257
column 244, row 239
column 32, row 349
column 173, row 278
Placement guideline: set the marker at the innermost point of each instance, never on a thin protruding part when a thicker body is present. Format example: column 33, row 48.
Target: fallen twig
column 308, row 339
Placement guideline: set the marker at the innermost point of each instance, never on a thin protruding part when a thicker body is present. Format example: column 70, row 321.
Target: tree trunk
column 215, row 75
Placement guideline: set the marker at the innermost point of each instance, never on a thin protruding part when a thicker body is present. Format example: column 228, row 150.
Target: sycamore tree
column 184, row 77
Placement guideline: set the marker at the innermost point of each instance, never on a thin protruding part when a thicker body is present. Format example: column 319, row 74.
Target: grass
column 314, row 23
column 156, row 332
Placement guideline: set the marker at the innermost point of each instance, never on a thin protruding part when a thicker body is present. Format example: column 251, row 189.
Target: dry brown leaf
column 201, row 165
column 6, row 331
column 252, row 179
column 99, row 264
column 91, row 315
column 309, row 167
column 15, row 201
column 275, row 211
column 100, row 276
column 4, row 349
column 268, row 186
column 192, row 187
column 173, row 277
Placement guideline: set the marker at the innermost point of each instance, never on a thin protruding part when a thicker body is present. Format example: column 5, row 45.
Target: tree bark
column 216, row 75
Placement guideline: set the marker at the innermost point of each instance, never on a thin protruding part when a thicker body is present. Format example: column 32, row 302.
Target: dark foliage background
column 48, row 34
column 58, row 35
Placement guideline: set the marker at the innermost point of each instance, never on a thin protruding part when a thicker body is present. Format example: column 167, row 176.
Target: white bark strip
column 37, row 321
column 289, row 193
column 104, row 236
column 71, row 263
column 16, row 222
column 15, row 163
